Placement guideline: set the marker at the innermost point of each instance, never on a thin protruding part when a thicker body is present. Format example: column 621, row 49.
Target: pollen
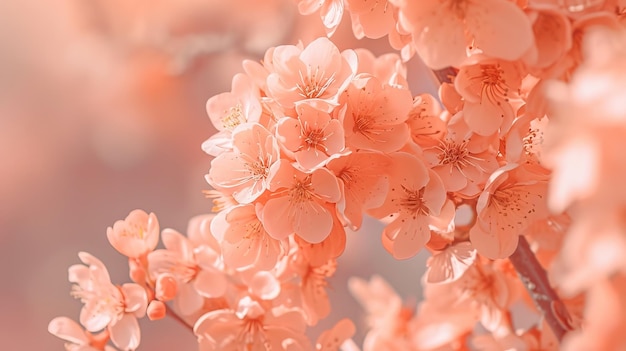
column 301, row 191
column 314, row 84
column 412, row 201
column 234, row 117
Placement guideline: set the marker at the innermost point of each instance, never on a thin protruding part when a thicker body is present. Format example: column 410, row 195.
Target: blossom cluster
column 312, row 139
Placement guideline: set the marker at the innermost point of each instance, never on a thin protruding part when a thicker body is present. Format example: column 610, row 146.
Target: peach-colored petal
column 210, row 283
column 125, row 334
column 68, row 330
column 135, row 299
column 265, row 285
column 492, row 245
column 331, row 340
column 500, row 28
column 450, row 264
column 408, row 238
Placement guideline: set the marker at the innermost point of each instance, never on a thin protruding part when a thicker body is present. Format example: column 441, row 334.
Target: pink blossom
column 443, row 30
column 301, row 203
column 315, row 75
column 315, row 302
column 362, row 183
column 197, row 270
column 415, row 199
column 450, row 264
column 77, row 338
column 425, row 122
column 252, row 327
column 332, row 340
column 228, row 110
column 376, row 114
column 331, row 12
column 463, row 160
column 106, row 305
column 245, row 170
column 244, row 242
column 313, row 137
column 135, row 236
column 512, row 200
column 371, row 19
column 486, row 88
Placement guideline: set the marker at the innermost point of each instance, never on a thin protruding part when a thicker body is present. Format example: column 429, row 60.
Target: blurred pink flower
column 77, row 338
column 443, row 30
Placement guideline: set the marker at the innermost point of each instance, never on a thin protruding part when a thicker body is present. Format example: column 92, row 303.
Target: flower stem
column 536, row 282
column 170, row 312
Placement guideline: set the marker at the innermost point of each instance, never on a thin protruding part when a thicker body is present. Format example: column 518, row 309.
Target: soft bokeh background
column 102, row 110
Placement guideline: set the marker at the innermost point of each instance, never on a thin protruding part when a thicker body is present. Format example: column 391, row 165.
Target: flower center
column 301, row 191
column 413, row 202
column 233, row 118
column 314, row 84
column 453, row 153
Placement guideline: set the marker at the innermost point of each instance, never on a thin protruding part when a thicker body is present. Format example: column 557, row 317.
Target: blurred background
column 102, row 110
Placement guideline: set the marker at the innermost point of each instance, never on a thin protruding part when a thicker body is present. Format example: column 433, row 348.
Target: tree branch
column 535, row 280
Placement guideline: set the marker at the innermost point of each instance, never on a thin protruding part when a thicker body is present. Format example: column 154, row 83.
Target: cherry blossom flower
column 228, row 110
column 553, row 37
column 512, row 200
column 333, row 339
column 244, row 242
column 388, row 68
column 375, row 115
column 252, row 327
column 443, row 30
column 135, row 236
column 314, row 297
column 115, row 308
column 315, row 75
column 387, row 318
column 245, row 170
column 300, row 203
column 486, row 88
column 426, row 125
column 328, row 249
column 416, row 197
column 77, row 338
column 450, row 264
column 362, row 184
column 331, row 12
column 197, row 270
column 463, row 160
column 313, row 137
column 371, row 19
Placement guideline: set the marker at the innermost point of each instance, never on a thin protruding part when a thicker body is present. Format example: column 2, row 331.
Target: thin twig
column 170, row 312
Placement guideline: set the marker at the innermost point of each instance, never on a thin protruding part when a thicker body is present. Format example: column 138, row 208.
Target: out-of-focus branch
column 445, row 75
column 535, row 279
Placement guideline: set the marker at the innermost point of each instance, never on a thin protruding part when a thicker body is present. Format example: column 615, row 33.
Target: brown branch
column 170, row 312
column 535, row 279
column 445, row 75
